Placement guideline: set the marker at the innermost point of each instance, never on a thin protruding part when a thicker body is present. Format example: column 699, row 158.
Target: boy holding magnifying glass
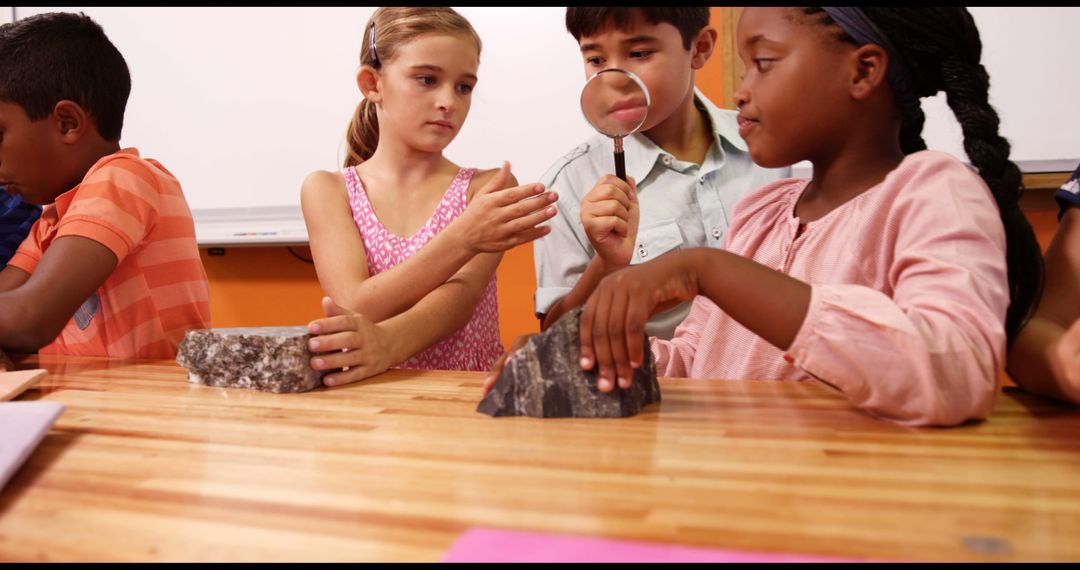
column 686, row 166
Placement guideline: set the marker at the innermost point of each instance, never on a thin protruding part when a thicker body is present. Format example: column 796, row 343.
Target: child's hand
column 348, row 342
column 1068, row 354
column 610, row 215
column 496, row 369
column 613, row 321
column 5, row 362
column 499, row 218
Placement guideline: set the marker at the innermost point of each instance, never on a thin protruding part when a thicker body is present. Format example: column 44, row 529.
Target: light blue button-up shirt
column 682, row 204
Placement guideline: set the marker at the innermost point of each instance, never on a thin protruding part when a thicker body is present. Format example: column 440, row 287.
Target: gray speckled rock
column 272, row 359
column 544, row 380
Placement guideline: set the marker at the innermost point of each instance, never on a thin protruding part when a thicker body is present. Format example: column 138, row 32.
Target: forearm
column 767, row 302
column 384, row 295
column 1031, row 363
column 12, row 310
column 22, row 326
column 579, row 294
column 435, row 317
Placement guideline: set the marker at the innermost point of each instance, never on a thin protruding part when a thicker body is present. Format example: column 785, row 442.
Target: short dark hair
column 47, row 58
column 587, row 20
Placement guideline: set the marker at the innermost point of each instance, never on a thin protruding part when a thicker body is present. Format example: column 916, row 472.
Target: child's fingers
column 528, row 235
column 531, row 220
column 617, row 337
column 601, row 227
column 493, row 375
column 353, row 374
column 540, row 203
column 331, row 309
column 637, row 314
column 497, row 182
column 515, row 194
column 601, row 342
column 339, row 359
column 608, row 192
column 330, row 342
column 587, row 358
column 496, row 369
column 605, row 208
column 331, row 325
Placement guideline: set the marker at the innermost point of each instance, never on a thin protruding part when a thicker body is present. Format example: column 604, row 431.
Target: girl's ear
column 870, row 62
column 702, row 47
column 369, row 82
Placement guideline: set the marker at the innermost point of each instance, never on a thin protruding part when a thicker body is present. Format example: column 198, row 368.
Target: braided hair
column 942, row 49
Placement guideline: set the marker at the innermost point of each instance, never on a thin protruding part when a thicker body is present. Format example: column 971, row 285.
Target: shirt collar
column 64, row 200
column 642, row 154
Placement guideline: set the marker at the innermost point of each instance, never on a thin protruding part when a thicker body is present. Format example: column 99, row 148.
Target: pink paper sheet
column 492, row 545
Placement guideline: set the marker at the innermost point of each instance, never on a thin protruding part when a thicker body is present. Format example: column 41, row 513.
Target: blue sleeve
column 16, row 219
column 1068, row 196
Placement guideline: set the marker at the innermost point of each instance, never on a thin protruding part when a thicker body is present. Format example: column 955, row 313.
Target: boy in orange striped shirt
column 111, row 268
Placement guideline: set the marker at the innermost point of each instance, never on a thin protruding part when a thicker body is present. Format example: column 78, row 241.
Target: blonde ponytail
column 363, row 134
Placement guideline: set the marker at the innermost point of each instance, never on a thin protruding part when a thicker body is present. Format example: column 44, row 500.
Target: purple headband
column 863, row 30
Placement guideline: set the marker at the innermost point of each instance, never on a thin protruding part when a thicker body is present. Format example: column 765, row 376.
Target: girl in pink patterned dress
column 405, row 242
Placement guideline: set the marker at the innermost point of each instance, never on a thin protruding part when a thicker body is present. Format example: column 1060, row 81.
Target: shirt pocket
column 655, row 241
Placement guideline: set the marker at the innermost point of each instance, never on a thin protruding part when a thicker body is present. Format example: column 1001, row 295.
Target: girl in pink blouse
column 895, row 275
column 405, row 242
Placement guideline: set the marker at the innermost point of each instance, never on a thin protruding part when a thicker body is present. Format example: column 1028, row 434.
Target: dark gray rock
column 544, row 380
column 272, row 359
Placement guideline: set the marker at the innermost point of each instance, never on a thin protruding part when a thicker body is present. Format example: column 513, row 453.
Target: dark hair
column 48, row 58
column 942, row 50
column 587, row 20
column 392, row 28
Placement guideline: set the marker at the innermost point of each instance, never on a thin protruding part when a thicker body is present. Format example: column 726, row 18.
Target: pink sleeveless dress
column 477, row 345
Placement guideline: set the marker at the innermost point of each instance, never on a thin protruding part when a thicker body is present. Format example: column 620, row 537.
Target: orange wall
column 268, row 286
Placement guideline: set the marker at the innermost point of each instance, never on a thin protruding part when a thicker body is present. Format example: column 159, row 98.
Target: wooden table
column 144, row 466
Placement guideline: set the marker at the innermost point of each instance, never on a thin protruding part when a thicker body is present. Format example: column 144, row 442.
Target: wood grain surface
column 144, row 466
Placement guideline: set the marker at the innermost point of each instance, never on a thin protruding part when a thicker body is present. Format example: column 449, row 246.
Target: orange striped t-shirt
column 134, row 207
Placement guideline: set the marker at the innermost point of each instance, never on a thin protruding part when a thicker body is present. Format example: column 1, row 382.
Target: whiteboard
column 242, row 103
column 1032, row 56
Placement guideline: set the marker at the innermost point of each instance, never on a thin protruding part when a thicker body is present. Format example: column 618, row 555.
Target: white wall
column 241, row 103
column 1033, row 58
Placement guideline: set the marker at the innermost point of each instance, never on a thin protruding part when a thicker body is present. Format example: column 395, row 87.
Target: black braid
column 942, row 48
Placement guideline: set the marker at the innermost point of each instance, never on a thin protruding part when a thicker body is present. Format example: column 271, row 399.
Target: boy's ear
column 702, row 46
column 367, row 79
column 72, row 122
column 870, row 62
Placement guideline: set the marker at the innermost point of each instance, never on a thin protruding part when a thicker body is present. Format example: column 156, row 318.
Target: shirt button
column 716, row 232
column 667, row 160
column 642, row 252
column 701, row 180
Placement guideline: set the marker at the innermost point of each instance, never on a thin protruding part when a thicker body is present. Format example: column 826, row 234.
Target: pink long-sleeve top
column 909, row 293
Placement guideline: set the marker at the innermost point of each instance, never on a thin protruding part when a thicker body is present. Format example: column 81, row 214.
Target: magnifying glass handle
column 620, row 160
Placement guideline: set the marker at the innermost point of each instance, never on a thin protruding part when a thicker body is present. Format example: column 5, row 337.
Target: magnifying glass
column 615, row 102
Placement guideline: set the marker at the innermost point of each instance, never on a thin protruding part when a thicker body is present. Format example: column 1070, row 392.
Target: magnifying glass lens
column 616, row 103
